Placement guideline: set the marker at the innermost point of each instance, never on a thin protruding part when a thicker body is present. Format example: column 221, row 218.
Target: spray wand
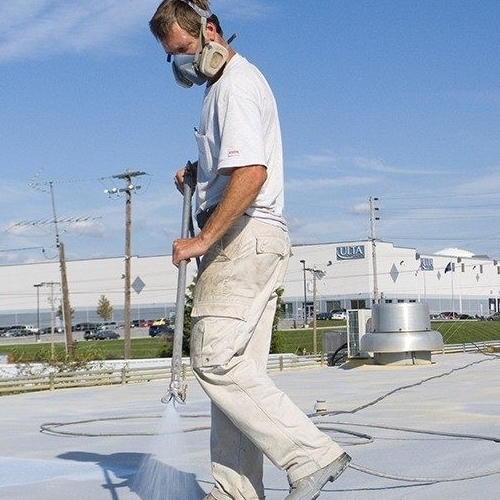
column 176, row 390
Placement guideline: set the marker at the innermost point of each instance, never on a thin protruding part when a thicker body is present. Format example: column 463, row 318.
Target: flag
column 448, row 268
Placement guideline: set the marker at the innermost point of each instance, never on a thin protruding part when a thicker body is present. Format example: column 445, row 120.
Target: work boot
column 309, row 487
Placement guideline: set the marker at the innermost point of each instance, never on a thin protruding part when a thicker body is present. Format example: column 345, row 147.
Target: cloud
column 29, row 229
column 312, row 185
column 310, row 161
column 12, row 192
column 41, row 28
column 307, row 229
column 480, row 186
column 360, row 208
column 87, row 227
column 35, row 28
column 242, row 9
column 357, row 163
column 378, row 165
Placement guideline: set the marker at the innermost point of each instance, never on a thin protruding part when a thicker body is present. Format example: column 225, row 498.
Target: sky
column 397, row 100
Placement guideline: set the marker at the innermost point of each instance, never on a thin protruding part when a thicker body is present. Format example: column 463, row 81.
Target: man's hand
column 179, row 179
column 186, row 249
column 179, row 176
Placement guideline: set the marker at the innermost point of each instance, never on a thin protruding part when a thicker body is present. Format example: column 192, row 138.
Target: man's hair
column 177, row 11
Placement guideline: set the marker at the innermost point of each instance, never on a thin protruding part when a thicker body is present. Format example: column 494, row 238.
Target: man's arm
column 243, row 187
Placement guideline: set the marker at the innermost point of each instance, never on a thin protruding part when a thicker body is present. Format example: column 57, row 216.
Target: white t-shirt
column 239, row 126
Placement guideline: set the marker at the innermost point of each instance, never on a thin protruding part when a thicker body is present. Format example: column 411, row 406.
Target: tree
column 277, row 344
column 59, row 312
column 104, row 308
column 188, row 307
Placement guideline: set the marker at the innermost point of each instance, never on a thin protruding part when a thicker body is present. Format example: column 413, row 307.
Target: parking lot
column 59, row 337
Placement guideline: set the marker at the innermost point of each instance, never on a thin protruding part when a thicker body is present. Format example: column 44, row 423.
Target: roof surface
column 414, row 432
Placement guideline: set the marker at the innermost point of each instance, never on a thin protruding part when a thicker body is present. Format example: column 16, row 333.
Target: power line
column 64, row 220
column 7, row 250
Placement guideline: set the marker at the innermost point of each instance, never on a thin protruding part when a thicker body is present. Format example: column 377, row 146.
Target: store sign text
column 350, row 252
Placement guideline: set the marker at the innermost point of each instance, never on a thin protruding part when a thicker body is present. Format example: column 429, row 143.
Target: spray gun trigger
column 177, row 392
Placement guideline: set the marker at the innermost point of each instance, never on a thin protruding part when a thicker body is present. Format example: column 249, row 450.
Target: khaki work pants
column 233, row 310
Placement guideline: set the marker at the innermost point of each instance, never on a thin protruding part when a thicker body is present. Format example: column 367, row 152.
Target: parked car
column 109, row 325
column 338, row 314
column 493, row 317
column 466, row 316
column 85, row 326
column 107, row 335
column 447, row 315
column 322, row 316
column 16, row 332
column 167, row 330
column 89, row 335
column 451, row 315
column 48, row 329
column 100, row 335
column 160, row 322
column 20, row 330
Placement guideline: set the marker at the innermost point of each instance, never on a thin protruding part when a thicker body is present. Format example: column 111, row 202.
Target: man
column 245, row 247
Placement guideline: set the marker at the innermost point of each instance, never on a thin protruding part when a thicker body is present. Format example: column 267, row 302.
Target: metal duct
column 401, row 328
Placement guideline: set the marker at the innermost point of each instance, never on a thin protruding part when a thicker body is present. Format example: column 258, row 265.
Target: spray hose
column 177, row 390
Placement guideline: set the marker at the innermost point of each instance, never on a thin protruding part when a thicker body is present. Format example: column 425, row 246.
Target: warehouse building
column 343, row 275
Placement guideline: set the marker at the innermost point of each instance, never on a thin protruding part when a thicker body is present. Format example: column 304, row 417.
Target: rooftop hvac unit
column 358, row 324
column 335, row 346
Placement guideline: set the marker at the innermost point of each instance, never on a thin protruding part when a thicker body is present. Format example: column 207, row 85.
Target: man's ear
column 210, row 31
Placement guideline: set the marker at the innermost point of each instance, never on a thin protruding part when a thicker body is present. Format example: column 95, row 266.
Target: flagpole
column 452, row 292
column 425, row 287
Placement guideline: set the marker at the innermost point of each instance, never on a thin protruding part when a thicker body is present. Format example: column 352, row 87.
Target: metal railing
column 487, row 346
column 133, row 371
column 136, row 371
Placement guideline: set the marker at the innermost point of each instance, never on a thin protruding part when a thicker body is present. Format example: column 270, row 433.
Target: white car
column 338, row 315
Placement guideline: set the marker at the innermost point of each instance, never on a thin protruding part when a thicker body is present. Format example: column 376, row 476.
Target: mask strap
column 201, row 38
column 201, row 12
column 204, row 14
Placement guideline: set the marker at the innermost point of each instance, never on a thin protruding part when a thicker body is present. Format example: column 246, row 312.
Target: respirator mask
column 208, row 60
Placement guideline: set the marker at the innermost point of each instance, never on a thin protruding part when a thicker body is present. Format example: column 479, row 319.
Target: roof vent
column 401, row 334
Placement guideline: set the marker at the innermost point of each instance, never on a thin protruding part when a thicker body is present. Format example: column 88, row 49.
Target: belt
column 203, row 216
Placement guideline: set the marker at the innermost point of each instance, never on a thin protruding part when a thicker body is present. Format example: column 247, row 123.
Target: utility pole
column 66, row 308
column 129, row 188
column 65, row 304
column 373, row 218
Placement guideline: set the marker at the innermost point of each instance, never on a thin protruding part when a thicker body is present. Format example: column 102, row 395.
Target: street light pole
column 51, row 284
column 315, row 336
column 52, row 319
column 37, row 286
column 303, row 262
column 317, row 274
